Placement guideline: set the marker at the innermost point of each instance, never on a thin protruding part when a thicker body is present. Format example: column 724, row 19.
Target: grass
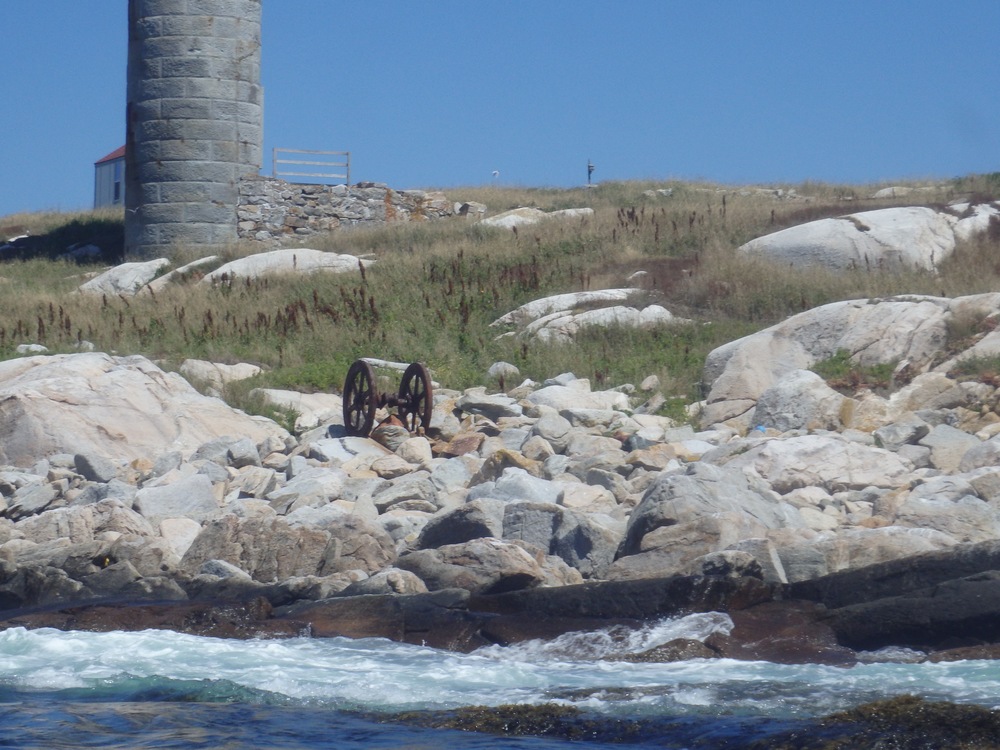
column 848, row 377
column 437, row 286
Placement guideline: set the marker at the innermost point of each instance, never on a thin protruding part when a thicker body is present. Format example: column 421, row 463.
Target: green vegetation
column 847, row 376
column 437, row 286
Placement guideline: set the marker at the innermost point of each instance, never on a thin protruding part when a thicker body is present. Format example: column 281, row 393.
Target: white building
column 109, row 179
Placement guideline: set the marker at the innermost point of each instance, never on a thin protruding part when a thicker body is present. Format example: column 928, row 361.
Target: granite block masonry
column 194, row 120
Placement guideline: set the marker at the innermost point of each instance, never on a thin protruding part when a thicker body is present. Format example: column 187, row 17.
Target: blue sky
column 440, row 94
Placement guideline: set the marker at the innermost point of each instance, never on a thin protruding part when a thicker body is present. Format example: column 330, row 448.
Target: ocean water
column 159, row 689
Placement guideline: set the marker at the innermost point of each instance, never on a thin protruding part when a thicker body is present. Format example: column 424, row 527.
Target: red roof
column 118, row 153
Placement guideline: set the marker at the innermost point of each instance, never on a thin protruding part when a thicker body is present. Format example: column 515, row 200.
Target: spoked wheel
column 416, row 399
column 360, row 399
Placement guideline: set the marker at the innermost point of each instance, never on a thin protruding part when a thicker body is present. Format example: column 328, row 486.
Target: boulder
column 492, row 406
column 561, row 397
column 483, row 566
column 827, row 461
column 911, row 237
column 561, row 327
column 515, row 484
column 954, row 613
column 80, row 524
column 526, row 216
column 948, row 446
column 871, row 331
column 686, row 515
column 216, row 376
column 116, row 408
column 361, row 544
column 800, row 400
column 192, row 497
column 192, row 270
column 315, row 486
column 125, row 279
column 267, row 548
column 474, row 520
column 286, row 260
column 390, row 581
column 964, row 519
column 310, row 409
column 531, row 311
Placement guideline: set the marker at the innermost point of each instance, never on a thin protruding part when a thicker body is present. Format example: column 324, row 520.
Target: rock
column 454, row 474
column 416, row 450
column 826, row 461
column 267, row 548
column 253, row 481
column 414, row 491
column 584, row 544
column 516, row 217
column 499, row 462
column 983, row 454
column 473, row 520
column 215, row 376
column 116, row 408
column 561, row 327
column 81, row 524
column 515, row 484
column 704, row 491
column 31, row 499
column 192, row 270
column 179, row 534
column 873, row 332
column 310, row 409
column 889, row 238
column 948, row 446
column 727, row 564
column 389, row 581
column 361, row 545
column 95, row 468
column 287, row 260
column 800, row 400
column 684, row 516
column 494, row 407
column 126, row 279
column 193, row 497
column 532, row 311
column 313, row 487
column 242, row 453
column 561, row 397
column 484, row 566
column 461, row 444
column 390, row 467
column 554, row 428
column 587, row 498
column 346, row 449
column 965, row 519
column 955, row 612
column 503, row 371
column 390, row 435
column 905, row 431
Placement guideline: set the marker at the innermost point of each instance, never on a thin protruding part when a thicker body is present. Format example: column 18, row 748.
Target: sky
column 443, row 94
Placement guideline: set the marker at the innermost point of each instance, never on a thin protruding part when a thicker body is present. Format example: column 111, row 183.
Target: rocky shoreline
column 826, row 524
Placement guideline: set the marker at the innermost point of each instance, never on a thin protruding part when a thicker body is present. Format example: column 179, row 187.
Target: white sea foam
column 376, row 674
column 617, row 641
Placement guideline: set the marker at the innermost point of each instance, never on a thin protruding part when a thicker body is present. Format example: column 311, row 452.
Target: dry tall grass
column 438, row 285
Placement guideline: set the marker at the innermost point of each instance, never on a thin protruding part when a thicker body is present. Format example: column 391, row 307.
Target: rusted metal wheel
column 416, row 399
column 360, row 399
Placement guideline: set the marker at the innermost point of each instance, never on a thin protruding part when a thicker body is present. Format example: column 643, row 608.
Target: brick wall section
column 273, row 211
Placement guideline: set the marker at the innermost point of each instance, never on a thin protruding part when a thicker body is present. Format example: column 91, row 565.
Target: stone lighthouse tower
column 194, row 120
